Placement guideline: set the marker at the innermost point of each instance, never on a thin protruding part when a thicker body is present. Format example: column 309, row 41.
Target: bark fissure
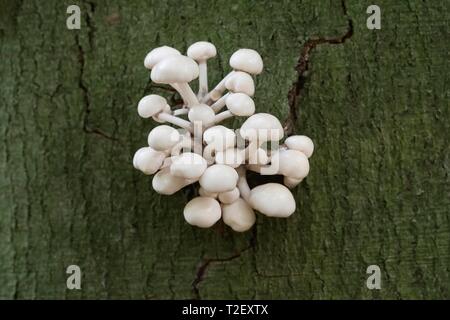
column 302, row 67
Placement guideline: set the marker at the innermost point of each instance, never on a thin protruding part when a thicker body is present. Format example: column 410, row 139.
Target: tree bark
column 375, row 102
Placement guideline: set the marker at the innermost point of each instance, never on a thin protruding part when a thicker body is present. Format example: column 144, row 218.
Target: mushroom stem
column 180, row 111
column 219, row 104
column 223, row 116
column 218, row 90
column 174, row 120
column 242, row 184
column 186, row 93
column 202, row 79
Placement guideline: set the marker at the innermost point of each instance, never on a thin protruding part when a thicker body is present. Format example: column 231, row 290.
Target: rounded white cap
column 219, row 178
column 263, row 127
column 158, row 54
column 202, row 113
column 238, row 215
column 201, row 51
column 150, row 105
column 220, row 137
column 241, row 82
column 202, row 212
column 175, row 69
column 148, row 160
column 163, row 138
column 291, row 163
column 188, row 165
column 300, row 143
column 229, row 196
column 272, row 200
column 247, row 60
column 165, row 183
column 240, row 104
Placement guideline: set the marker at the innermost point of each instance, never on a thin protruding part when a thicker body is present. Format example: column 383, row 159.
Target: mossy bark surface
column 375, row 102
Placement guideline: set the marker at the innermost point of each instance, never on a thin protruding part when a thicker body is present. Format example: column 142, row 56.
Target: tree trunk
column 375, row 102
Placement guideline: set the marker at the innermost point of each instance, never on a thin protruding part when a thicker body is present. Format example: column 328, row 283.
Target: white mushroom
column 238, row 82
column 203, row 114
column 272, row 200
column 300, row 143
column 165, row 183
column 178, row 70
column 202, row 212
column 217, row 138
column 231, row 157
column 238, row 104
column 148, row 160
column 202, row 51
column 238, row 215
column 158, row 54
column 202, row 192
column 219, row 178
column 229, row 196
column 188, row 165
column 291, row 163
column 156, row 106
column 163, row 138
column 246, row 60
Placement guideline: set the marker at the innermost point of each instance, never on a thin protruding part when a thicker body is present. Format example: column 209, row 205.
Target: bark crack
column 206, row 263
column 302, row 67
column 87, row 126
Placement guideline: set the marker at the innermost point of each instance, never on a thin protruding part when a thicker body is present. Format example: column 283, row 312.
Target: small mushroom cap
column 151, row 105
column 202, row 212
column 163, row 138
column 201, row 51
column 240, row 104
column 175, row 69
column 247, row 60
column 231, row 157
column 272, row 200
column 263, row 127
column 300, row 143
column 202, row 192
column 188, row 165
column 291, row 163
column 158, row 54
column 238, row 215
column 219, row 178
column 148, row 160
column 165, row 183
column 229, row 196
column 202, row 113
column 241, row 82
column 220, row 137
column 291, row 182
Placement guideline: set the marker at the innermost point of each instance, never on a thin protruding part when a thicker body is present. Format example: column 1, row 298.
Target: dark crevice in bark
column 208, row 262
column 87, row 127
column 302, row 68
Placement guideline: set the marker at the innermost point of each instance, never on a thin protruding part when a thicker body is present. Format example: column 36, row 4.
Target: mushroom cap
column 229, row 196
column 165, row 183
column 202, row 212
column 163, row 137
column 259, row 157
column 202, row 113
column 291, row 163
column 219, row 178
column 148, row 160
column 262, row 126
column 158, row 54
column 220, row 137
column 247, row 60
column 231, row 157
column 238, row 215
column 272, row 200
column 175, row 69
column 150, row 105
column 300, row 143
column 240, row 104
column 188, row 165
column 241, row 82
column 202, row 192
column 201, row 50
column 291, row 182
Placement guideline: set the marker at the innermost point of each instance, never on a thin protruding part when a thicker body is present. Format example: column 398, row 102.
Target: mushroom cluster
column 195, row 147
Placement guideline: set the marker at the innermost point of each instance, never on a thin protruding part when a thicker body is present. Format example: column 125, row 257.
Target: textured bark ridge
column 374, row 102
